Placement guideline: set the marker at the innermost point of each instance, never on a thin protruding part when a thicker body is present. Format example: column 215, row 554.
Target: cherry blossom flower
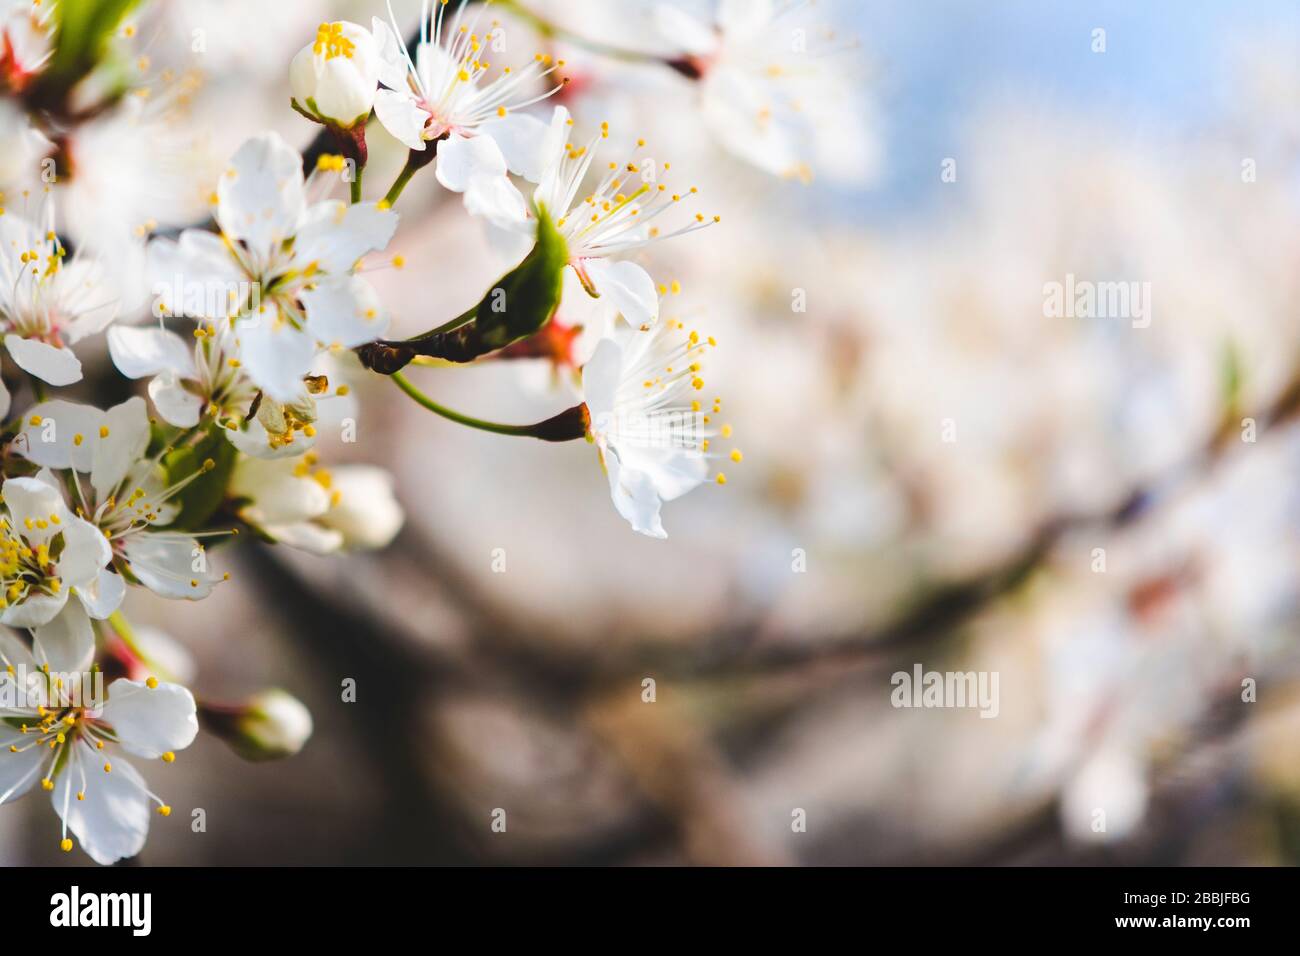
column 46, row 303
column 775, row 91
column 281, row 275
column 614, row 218
column 48, row 553
column 648, row 422
column 70, row 744
column 128, row 503
column 443, row 96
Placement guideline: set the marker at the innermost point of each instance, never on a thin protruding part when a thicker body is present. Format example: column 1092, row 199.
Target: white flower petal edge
column 652, row 432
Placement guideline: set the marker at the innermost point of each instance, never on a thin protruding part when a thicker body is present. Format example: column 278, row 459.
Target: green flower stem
column 404, row 177
column 356, row 185
column 424, row 400
column 567, row 426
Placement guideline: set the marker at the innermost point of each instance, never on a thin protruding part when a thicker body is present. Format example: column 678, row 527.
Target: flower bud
column 335, row 78
column 363, row 509
column 270, row 725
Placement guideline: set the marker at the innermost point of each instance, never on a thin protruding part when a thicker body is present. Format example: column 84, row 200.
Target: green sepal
column 201, row 498
column 518, row 305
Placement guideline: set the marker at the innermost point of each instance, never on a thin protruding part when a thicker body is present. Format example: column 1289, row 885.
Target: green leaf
column 84, row 31
column 201, row 498
column 85, row 28
column 524, row 300
column 517, row 306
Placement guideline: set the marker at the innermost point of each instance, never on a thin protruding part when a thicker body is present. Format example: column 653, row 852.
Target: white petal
column 634, row 498
column 14, row 652
column 31, row 502
column 741, row 20
column 275, row 354
column 166, row 564
column 689, row 34
column 140, row 352
column 34, row 610
column 334, row 235
column 253, row 440
column 5, row 400
column 47, row 362
column 732, row 102
column 48, row 432
column 367, row 513
column 305, row 537
column 151, row 721
column 87, row 297
column 511, row 242
column 672, row 471
column 112, row 822
column 276, row 494
column 462, row 159
column 496, row 199
column 49, row 435
column 393, row 68
column 402, row 117
column 104, row 596
column 344, row 311
column 176, row 404
column 195, row 276
column 85, row 552
column 628, row 287
column 260, row 195
column 121, row 446
column 600, row 380
column 523, row 141
column 67, row 643
column 18, row 771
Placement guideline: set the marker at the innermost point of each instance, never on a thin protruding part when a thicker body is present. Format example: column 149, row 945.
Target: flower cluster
column 261, row 322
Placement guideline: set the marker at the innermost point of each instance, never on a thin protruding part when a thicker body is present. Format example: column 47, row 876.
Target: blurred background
column 937, row 473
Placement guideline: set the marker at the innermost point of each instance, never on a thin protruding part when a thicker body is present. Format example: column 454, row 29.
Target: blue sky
column 1163, row 71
